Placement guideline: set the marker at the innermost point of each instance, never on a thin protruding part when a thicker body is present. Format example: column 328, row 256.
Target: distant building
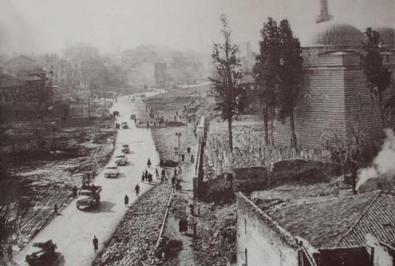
column 24, row 97
column 347, row 230
column 160, row 72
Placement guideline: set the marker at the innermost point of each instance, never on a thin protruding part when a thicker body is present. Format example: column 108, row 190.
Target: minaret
column 324, row 14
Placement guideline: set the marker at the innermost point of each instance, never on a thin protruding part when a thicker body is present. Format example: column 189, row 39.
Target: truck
column 88, row 197
column 44, row 256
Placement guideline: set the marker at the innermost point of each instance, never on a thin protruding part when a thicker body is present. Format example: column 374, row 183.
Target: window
column 307, row 97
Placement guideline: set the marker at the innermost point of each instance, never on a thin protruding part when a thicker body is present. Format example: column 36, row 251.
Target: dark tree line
column 279, row 74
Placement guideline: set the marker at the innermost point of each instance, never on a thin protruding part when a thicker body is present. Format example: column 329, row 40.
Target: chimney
column 324, row 12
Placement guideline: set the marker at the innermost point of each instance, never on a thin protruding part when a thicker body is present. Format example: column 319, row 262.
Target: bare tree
column 227, row 76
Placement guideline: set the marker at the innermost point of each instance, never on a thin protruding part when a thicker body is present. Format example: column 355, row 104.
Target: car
column 121, row 160
column 88, row 197
column 124, row 125
column 125, row 148
column 111, row 171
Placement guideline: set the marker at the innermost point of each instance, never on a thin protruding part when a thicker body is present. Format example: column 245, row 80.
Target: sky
column 113, row 25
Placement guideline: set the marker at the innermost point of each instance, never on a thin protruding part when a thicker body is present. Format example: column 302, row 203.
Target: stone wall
column 260, row 240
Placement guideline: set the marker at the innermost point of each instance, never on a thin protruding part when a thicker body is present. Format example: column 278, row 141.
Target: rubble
column 46, row 177
column 133, row 242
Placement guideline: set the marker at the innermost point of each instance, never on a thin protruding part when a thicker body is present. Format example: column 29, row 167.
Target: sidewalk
column 180, row 209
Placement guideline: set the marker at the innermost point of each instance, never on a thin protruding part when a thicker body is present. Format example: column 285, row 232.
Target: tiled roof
column 339, row 221
column 377, row 220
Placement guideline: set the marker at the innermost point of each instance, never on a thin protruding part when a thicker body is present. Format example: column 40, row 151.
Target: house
column 323, row 231
column 24, row 97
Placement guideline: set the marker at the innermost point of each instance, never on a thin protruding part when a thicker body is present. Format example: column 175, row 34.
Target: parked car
column 121, row 160
column 124, row 125
column 125, row 148
column 111, row 171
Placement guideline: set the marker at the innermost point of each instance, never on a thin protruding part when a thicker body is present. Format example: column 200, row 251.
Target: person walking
column 9, row 252
column 95, row 242
column 137, row 189
column 149, row 163
column 157, row 173
column 56, row 210
column 126, row 199
column 75, row 191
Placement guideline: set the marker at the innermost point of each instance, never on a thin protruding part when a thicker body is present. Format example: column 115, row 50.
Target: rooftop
column 10, row 81
column 336, row 221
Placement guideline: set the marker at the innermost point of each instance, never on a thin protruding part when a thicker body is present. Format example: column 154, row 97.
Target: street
column 73, row 230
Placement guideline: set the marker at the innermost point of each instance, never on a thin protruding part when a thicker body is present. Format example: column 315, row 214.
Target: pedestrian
column 175, row 171
column 75, row 190
column 149, row 178
column 149, row 163
column 173, row 182
column 95, row 242
column 55, row 208
column 194, row 229
column 182, row 157
column 137, row 189
column 9, row 252
column 126, row 200
column 143, row 177
column 157, row 173
column 192, row 208
column 163, row 174
column 192, row 158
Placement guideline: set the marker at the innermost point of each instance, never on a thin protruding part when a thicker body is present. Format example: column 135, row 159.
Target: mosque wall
column 320, row 110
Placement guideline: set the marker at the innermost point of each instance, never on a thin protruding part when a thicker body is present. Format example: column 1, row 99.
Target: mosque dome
column 387, row 34
column 337, row 34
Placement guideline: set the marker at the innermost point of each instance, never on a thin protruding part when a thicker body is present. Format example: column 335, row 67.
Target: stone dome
column 337, row 34
column 387, row 34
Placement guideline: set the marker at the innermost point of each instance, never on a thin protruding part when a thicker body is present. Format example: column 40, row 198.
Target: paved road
column 73, row 230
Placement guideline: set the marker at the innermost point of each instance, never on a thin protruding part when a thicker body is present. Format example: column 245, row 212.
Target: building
column 322, row 231
column 25, row 97
column 160, row 73
column 335, row 98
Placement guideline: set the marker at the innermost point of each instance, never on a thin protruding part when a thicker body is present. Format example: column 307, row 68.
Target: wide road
column 73, row 229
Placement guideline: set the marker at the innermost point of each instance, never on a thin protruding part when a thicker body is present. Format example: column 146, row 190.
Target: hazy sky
column 50, row 25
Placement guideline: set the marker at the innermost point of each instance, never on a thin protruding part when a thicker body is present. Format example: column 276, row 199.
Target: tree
column 266, row 71
column 377, row 75
column 290, row 76
column 227, row 76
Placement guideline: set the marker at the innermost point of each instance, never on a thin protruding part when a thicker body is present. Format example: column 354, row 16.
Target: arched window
column 324, row 98
column 307, row 97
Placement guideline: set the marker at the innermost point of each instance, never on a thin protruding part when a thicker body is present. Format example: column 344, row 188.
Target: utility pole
column 178, row 134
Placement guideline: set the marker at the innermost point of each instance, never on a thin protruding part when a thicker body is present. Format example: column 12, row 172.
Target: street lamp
column 178, row 134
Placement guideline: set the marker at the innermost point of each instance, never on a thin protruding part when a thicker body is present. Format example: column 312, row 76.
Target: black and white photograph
column 197, row 132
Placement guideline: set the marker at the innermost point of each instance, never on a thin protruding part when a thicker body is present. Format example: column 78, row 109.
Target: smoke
column 384, row 163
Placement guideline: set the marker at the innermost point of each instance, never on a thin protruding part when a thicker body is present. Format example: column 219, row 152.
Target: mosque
column 335, row 98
